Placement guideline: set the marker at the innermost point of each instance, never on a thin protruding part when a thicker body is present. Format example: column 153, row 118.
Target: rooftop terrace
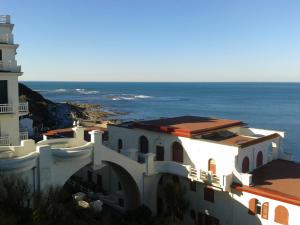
column 187, row 126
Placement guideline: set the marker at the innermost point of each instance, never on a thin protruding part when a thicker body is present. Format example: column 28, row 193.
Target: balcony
column 23, row 107
column 4, row 19
column 9, row 67
column 8, row 108
column 4, row 39
column 4, row 140
column 23, row 135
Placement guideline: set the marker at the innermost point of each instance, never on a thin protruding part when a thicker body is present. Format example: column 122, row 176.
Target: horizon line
column 92, row 81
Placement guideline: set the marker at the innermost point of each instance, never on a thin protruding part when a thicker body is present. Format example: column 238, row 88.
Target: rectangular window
column 3, row 92
column 209, row 194
column 160, row 153
column 0, row 54
column 193, row 186
column 90, row 176
column 99, row 180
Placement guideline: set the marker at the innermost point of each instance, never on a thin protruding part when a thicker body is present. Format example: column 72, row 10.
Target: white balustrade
column 4, row 140
column 4, row 39
column 5, row 19
column 23, row 135
column 10, row 67
column 23, row 107
column 6, row 108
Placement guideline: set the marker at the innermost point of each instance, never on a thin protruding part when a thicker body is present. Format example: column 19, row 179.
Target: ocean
column 263, row 105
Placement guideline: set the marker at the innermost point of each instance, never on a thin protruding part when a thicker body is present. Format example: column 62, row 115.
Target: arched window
column 245, row 165
column 259, row 159
column 281, row 215
column 177, row 152
column 120, row 145
column 144, row 145
column 212, row 166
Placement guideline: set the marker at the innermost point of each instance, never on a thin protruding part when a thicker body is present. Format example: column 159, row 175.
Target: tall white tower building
column 10, row 107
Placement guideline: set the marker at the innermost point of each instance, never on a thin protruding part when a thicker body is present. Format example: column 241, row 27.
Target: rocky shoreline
column 47, row 114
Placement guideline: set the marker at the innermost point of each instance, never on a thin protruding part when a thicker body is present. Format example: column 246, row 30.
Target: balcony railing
column 23, row 107
column 4, row 39
column 4, row 140
column 5, row 19
column 204, row 176
column 6, row 108
column 23, row 135
column 8, row 66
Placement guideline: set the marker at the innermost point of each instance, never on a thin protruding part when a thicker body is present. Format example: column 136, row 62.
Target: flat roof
column 279, row 180
column 186, row 126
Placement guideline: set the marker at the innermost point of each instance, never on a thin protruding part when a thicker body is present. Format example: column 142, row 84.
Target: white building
column 10, row 108
column 233, row 174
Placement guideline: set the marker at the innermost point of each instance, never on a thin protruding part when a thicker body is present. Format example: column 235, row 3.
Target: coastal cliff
column 51, row 115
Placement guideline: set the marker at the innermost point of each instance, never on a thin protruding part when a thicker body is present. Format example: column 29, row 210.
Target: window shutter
column 281, row 215
column 252, row 206
column 265, row 210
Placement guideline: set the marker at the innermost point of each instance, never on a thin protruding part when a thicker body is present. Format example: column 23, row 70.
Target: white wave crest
column 128, row 97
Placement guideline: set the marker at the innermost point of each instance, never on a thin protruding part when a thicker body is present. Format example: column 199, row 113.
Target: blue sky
column 157, row 40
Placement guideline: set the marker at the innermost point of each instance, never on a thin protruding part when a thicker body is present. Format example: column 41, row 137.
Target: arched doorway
column 177, row 152
column 212, row 166
column 143, row 145
column 259, row 159
column 245, row 165
column 281, row 215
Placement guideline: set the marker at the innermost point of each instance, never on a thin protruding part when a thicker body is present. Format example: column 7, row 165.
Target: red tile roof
column 279, row 180
column 187, row 126
column 68, row 130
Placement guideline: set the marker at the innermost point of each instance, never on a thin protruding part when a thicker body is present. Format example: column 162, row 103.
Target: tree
column 176, row 203
column 14, row 201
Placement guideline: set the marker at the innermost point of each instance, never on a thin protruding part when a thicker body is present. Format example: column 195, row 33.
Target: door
column 160, row 153
column 3, row 92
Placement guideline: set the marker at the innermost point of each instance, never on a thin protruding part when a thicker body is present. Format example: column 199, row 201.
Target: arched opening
column 245, row 165
column 212, row 166
column 143, row 145
column 120, row 145
column 281, row 215
column 177, row 152
column 259, row 159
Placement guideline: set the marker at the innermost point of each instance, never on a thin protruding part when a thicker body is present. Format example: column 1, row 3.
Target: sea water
column 273, row 106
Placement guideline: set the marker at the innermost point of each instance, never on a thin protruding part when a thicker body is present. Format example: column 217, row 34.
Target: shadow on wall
column 132, row 198
column 218, row 208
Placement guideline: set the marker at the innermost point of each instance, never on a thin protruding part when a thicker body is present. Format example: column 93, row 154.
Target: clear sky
column 157, row 40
